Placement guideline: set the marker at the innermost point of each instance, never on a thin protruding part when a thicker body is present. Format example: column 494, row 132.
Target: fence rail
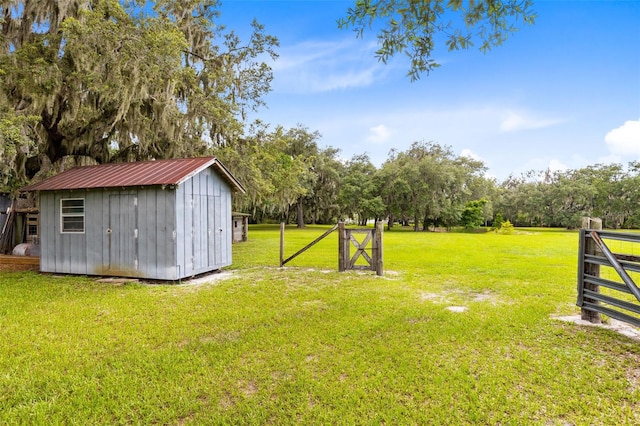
column 622, row 298
column 283, row 261
column 346, row 238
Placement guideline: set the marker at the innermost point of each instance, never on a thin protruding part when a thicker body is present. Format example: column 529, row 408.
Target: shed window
column 72, row 215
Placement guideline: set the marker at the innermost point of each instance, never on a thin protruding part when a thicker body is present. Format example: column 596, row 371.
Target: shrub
column 497, row 222
column 506, row 228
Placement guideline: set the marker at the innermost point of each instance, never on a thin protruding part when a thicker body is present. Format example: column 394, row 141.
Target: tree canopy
column 610, row 192
column 111, row 80
column 115, row 80
column 416, row 27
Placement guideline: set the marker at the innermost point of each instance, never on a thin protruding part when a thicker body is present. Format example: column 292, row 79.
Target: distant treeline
column 289, row 178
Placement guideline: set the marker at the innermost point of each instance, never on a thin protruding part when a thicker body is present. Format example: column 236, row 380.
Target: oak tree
column 415, row 27
column 123, row 80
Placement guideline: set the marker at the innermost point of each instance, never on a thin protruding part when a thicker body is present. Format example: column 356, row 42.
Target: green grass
column 308, row 345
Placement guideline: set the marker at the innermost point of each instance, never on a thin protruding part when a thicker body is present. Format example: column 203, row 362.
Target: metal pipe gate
column 619, row 296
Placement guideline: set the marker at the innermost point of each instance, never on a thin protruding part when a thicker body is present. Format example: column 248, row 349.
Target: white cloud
column 470, row 154
column 610, row 159
column 379, row 134
column 468, row 128
column 513, row 121
column 556, row 165
column 625, row 140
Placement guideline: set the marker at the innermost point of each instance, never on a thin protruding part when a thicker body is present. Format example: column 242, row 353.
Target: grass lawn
column 306, row 344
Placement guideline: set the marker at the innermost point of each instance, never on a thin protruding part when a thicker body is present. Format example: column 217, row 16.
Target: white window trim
column 63, row 215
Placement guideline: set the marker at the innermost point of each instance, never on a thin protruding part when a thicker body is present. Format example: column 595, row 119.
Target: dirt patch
column 226, row 402
column 633, row 376
column 117, row 281
column 209, row 278
column 248, row 388
column 482, row 297
column 458, row 297
column 615, row 325
column 432, row 296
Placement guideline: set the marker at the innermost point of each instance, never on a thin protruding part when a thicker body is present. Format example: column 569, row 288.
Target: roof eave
column 230, row 178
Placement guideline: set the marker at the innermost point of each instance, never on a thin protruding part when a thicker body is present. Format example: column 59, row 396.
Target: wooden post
column 590, row 247
column 377, row 249
column 343, row 248
column 281, row 244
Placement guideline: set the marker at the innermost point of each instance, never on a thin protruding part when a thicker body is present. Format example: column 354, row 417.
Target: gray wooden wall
column 204, row 231
column 150, row 254
column 180, row 232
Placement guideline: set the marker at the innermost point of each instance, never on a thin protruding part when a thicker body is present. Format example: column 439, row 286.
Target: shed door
column 123, row 233
column 219, row 234
column 211, row 232
column 199, row 233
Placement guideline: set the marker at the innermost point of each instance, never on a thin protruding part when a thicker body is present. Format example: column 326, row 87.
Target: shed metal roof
column 143, row 173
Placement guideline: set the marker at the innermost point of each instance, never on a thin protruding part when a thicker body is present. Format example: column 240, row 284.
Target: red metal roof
column 143, row 173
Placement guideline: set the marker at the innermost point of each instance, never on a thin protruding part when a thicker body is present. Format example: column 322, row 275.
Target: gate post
column 589, row 247
column 377, row 249
column 281, row 244
column 343, row 248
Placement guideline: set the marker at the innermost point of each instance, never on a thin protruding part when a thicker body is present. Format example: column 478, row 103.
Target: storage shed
column 165, row 219
column 240, row 227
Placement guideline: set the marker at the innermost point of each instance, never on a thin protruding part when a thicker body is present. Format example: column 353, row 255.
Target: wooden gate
column 620, row 298
column 346, row 237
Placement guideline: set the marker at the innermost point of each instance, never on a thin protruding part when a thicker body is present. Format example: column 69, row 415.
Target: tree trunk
column 300, row 213
column 55, row 147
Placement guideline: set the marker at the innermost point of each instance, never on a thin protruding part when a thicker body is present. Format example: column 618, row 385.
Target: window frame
column 64, row 215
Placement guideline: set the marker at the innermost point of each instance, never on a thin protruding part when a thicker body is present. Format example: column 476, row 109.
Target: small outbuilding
column 164, row 219
column 240, row 227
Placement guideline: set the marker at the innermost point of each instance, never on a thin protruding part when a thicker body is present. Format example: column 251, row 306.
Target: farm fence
column 608, row 271
column 372, row 254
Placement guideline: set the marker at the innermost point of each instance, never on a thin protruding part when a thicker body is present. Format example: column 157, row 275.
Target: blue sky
column 561, row 94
